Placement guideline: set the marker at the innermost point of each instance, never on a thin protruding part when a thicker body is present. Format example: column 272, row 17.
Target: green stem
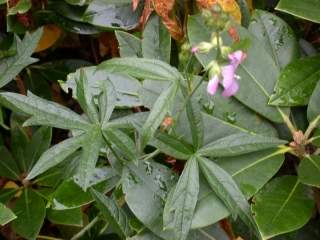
column 48, row 237
column 287, row 121
column 311, row 127
column 86, row 228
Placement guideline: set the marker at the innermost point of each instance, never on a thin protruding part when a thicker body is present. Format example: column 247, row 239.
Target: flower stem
column 86, row 228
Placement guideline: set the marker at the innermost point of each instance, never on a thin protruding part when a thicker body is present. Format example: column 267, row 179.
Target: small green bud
column 215, row 39
column 213, row 68
column 204, row 47
column 225, row 51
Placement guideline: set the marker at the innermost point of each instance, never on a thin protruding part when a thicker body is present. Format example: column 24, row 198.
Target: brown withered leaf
column 164, row 9
column 108, row 44
column 135, row 4
column 147, row 10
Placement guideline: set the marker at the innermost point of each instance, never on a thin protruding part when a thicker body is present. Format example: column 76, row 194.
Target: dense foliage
column 159, row 119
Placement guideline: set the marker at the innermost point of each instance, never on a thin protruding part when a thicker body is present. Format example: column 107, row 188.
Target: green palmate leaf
column 237, row 144
column 309, row 171
column 297, row 82
column 11, row 66
column 6, row 215
column 255, row 86
column 151, row 182
column 91, row 146
column 276, row 36
column 21, row 7
column 8, row 166
column 85, row 98
column 107, row 102
column 112, row 214
column 71, row 217
column 129, row 45
column 30, row 210
column 40, row 142
column 227, row 111
column 209, row 208
column 195, row 121
column 126, row 88
column 145, row 236
column 158, row 112
column 282, row 206
column 43, row 112
column 313, row 106
column 123, row 142
column 228, row 191
column 156, row 42
column 142, row 68
column 63, row 198
column 181, row 203
column 172, row 146
column 308, row 9
column 111, row 15
column 56, row 155
column 251, row 171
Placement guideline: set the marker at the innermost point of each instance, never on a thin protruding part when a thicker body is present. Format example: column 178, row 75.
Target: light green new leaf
column 255, row 86
column 30, row 210
column 158, row 112
column 21, row 7
column 112, row 214
column 313, row 106
column 129, row 45
column 56, row 154
column 11, row 66
column 70, row 217
column 141, row 68
column 228, row 191
column 283, row 205
column 172, row 146
column 306, row 9
column 239, row 143
column 156, row 41
column 297, row 82
column 309, row 171
column 6, row 215
column 43, row 112
column 181, row 203
column 276, row 36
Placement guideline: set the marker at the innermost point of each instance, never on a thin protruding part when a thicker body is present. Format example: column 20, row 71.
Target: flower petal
column 237, row 57
column 228, row 73
column 213, row 85
column 232, row 90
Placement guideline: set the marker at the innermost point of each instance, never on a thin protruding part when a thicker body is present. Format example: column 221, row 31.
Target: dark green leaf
column 8, row 166
column 309, row 170
column 30, row 210
column 228, row 191
column 172, row 146
column 276, row 36
column 112, row 213
column 237, row 144
column 307, row 9
column 297, row 82
column 282, row 206
column 195, row 121
column 181, row 203
column 129, row 45
column 11, row 66
column 156, row 42
column 151, row 182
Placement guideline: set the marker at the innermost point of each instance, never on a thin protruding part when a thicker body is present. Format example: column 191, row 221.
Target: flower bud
column 215, row 40
column 225, row 51
column 213, row 68
column 204, row 47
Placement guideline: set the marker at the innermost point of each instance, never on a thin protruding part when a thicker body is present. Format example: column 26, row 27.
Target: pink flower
column 229, row 78
column 213, row 85
column 194, row 49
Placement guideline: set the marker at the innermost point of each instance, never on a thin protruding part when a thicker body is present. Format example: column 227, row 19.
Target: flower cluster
column 228, row 75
